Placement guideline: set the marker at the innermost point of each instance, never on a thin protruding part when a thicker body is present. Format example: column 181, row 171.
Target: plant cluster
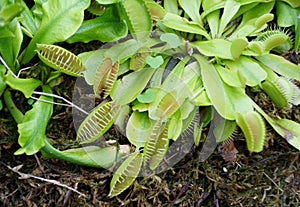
column 185, row 63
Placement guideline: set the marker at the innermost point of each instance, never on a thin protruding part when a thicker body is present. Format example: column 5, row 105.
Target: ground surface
column 270, row 178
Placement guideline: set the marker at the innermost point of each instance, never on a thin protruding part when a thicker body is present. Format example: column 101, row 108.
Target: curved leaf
column 19, row 83
column 97, row 122
column 60, row 20
column 60, row 59
column 126, row 174
column 33, row 127
column 254, row 130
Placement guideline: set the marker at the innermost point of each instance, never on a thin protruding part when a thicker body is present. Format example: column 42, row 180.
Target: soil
column 269, row 178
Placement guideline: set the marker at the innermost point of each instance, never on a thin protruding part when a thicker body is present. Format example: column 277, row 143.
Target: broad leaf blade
column 33, row 127
column 60, row 20
column 19, row 83
column 214, row 88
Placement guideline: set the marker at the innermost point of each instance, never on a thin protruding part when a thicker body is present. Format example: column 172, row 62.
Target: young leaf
column 97, row 122
column 60, row 20
column 154, row 62
column 60, row 59
column 126, row 174
column 254, row 130
column 32, row 129
column 137, row 16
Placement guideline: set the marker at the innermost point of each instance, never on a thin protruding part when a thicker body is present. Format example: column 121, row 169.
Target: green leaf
column 139, row 128
column 130, row 86
column 19, row 83
column 126, row 174
column 181, row 24
column 250, row 72
column 91, row 61
column 230, row 77
column 171, row 6
column 122, row 51
column 289, row 130
column 147, row 97
column 104, row 2
column 34, row 124
column 9, row 12
column 97, row 122
column 280, row 65
column 224, row 129
column 2, row 79
column 138, row 18
column 92, row 156
column 138, row 60
column 214, row 88
column 60, row 20
column 230, row 9
column 237, row 47
column 286, row 15
column 10, row 45
column 105, row 77
column 154, row 62
column 172, row 39
column 192, row 7
column 254, row 130
column 214, row 48
column 106, row 28
column 60, row 59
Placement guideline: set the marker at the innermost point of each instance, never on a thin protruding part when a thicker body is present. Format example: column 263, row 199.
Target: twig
column 273, row 182
column 26, row 176
column 58, row 97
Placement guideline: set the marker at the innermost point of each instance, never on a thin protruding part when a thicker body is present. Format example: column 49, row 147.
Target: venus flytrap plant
column 162, row 86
